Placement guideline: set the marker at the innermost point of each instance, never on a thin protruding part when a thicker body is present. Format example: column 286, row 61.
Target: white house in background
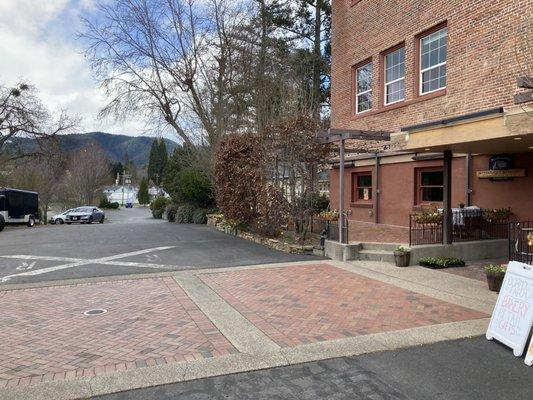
column 122, row 194
column 129, row 194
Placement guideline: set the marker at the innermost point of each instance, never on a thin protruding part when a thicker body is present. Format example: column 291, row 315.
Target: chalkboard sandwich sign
column 512, row 317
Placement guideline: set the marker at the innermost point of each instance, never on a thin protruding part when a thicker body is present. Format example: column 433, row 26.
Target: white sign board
column 529, row 354
column 512, row 317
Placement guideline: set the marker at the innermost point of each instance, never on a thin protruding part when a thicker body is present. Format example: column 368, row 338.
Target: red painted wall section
column 517, row 193
column 397, row 189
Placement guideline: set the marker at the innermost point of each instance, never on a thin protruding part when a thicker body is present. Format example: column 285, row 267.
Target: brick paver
column 45, row 336
column 303, row 304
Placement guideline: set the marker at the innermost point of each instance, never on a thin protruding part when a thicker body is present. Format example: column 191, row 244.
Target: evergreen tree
column 163, row 158
column 143, row 196
column 153, row 162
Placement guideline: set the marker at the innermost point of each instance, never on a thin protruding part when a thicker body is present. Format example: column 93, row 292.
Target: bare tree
column 22, row 114
column 166, row 59
column 87, row 172
column 41, row 172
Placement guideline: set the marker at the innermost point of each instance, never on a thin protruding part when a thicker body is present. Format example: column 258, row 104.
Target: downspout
column 376, row 190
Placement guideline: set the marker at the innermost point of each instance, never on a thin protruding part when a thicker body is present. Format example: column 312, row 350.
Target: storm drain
column 95, row 311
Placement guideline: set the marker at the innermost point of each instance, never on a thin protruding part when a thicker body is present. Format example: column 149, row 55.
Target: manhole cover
column 96, row 311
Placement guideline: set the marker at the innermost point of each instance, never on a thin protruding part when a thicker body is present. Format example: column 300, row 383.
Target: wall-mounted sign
column 501, row 173
column 513, row 313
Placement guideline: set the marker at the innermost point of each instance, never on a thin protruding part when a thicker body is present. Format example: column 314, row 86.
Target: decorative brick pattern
column 303, row 304
column 45, row 336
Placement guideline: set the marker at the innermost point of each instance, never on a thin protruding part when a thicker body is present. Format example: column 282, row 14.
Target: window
column 362, row 187
column 430, row 186
column 433, row 61
column 363, row 84
column 395, row 76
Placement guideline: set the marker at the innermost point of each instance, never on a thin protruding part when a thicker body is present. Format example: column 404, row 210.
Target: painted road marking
column 80, row 262
column 26, row 266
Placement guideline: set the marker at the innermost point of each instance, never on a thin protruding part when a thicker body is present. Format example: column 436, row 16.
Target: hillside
column 115, row 146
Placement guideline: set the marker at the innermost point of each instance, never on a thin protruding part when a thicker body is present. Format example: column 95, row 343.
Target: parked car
column 86, row 214
column 18, row 207
column 60, row 218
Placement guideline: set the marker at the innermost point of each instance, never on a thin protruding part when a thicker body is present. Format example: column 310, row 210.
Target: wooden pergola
column 341, row 135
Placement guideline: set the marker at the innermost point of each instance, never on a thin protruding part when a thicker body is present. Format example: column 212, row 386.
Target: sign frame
column 514, row 269
column 529, row 354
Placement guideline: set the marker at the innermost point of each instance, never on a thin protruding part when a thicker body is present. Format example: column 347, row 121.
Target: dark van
column 18, row 207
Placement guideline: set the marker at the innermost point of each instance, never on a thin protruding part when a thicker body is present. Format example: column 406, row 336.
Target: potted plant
column 495, row 274
column 402, row 256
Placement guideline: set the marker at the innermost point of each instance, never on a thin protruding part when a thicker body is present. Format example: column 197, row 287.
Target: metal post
column 342, row 239
column 447, row 200
column 468, row 168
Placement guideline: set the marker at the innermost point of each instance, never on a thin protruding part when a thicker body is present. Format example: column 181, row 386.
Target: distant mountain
column 115, row 146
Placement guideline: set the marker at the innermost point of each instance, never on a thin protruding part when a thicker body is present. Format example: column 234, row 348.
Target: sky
column 38, row 45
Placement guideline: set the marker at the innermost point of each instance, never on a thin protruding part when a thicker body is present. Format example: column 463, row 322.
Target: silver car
column 85, row 215
column 60, row 218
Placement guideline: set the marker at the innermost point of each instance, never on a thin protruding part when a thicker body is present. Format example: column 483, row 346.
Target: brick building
column 441, row 77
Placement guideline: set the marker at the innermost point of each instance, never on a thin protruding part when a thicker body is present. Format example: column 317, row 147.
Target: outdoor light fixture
column 517, row 138
column 427, row 149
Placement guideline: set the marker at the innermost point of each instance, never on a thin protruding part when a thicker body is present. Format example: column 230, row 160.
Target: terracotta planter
column 402, row 258
column 495, row 282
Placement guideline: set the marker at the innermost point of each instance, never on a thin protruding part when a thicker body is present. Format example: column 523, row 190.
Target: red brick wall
column 397, row 189
column 482, row 63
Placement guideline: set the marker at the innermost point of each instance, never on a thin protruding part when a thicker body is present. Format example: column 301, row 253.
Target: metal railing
column 468, row 225
column 521, row 241
column 330, row 228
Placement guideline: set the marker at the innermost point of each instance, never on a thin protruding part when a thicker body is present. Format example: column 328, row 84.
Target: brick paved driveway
column 152, row 322
column 304, row 304
column 44, row 334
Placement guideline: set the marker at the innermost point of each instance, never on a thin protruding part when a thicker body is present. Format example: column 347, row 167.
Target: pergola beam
column 341, row 135
column 335, row 135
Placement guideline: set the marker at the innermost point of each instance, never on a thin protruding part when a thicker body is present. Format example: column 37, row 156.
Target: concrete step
column 381, row 246
column 376, row 255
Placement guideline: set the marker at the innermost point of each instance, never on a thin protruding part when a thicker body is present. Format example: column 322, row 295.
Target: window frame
column 355, row 68
column 418, row 58
column 355, row 199
column 418, row 185
column 383, row 72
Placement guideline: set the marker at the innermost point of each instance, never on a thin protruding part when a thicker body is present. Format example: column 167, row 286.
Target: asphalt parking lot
column 130, row 242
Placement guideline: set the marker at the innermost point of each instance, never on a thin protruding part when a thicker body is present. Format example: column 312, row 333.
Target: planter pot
column 495, row 282
column 402, row 258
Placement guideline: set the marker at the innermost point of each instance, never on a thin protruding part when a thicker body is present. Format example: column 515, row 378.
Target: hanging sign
column 512, row 317
column 529, row 354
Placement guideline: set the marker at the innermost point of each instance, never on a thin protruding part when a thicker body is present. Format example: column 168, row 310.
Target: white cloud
column 38, row 45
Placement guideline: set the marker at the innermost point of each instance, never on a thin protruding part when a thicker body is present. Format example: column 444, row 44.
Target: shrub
column 199, row 216
column 171, row 212
column 194, row 187
column 158, row 206
column 320, row 203
column 239, row 176
column 445, row 262
column 106, row 204
column 184, row 214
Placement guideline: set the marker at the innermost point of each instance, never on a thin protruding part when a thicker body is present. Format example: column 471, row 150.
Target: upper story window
column 363, row 85
column 433, row 61
column 395, row 76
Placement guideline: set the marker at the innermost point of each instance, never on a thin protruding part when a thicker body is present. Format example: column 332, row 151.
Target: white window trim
column 421, row 83
column 391, row 82
column 357, row 94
